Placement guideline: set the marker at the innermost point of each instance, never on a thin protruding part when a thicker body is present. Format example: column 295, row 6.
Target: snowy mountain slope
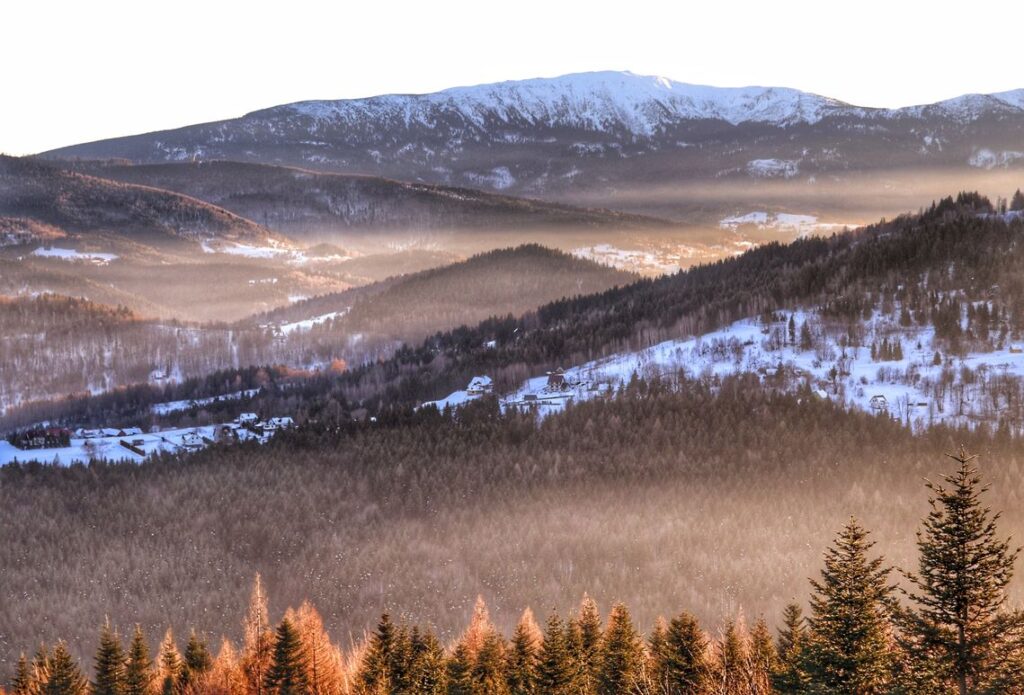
column 920, row 386
column 595, row 101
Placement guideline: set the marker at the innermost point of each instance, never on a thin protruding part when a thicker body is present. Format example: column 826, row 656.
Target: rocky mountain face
column 597, row 134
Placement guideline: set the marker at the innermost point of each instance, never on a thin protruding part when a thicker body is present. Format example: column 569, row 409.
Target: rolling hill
column 305, row 203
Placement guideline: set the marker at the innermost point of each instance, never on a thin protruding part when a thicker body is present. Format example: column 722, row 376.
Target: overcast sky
column 77, row 71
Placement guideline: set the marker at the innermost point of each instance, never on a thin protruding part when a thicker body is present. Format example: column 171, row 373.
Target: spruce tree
column 138, row 673
column 459, row 671
column 488, row 672
column 40, row 669
column 687, row 669
column 524, row 656
column 764, row 659
column 196, row 664
column 657, row 655
column 733, row 668
column 427, row 666
column 22, row 682
column 170, row 665
column 790, row 676
column 589, row 630
column 961, row 634
column 849, row 645
column 64, row 677
column 287, row 672
column 556, row 668
column 621, row 662
column 375, row 672
column 108, row 666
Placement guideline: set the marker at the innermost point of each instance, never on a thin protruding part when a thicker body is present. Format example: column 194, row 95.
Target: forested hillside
column 54, row 346
column 309, row 204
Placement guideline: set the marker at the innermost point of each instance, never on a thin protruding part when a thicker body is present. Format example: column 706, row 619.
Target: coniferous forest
column 946, row 627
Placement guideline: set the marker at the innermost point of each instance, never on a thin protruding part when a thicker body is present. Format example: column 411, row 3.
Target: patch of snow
column 802, row 225
column 773, row 168
column 72, row 255
column 985, row 158
column 499, row 178
column 169, row 407
column 306, row 324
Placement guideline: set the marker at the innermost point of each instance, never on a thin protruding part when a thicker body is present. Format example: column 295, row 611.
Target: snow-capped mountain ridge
column 593, row 100
column 640, row 103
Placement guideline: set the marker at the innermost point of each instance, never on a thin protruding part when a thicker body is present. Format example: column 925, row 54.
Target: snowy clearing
column 72, row 255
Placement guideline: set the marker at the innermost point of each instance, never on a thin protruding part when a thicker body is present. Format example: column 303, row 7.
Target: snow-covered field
column 270, row 251
column 72, row 255
column 629, row 259
column 801, row 225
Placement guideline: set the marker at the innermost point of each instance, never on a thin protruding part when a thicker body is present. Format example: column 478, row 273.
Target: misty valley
column 601, row 384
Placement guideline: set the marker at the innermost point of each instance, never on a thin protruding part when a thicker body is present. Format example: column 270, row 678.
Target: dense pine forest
column 948, row 630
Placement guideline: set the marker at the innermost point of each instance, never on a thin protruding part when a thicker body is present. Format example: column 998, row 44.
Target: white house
column 480, row 385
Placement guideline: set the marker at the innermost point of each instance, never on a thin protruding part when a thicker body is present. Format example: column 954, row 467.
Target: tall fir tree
column 108, row 665
column 427, row 675
column 524, row 656
column 657, row 655
column 287, row 672
column 22, row 683
column 170, row 665
column 732, row 667
column 40, row 668
column 588, row 651
column 687, row 667
column 556, row 669
column 138, row 671
column 961, row 633
column 64, row 677
column 764, row 659
column 790, row 675
column 621, row 662
column 488, row 672
column 195, row 665
column 375, row 671
column 459, row 669
column 849, row 647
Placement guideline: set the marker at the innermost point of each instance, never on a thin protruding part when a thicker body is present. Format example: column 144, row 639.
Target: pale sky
column 73, row 71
